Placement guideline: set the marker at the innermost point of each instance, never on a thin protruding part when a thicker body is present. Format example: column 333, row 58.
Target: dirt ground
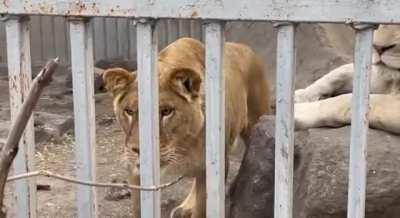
column 58, row 156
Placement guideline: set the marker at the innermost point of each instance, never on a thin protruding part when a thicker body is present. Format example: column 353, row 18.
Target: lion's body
column 182, row 117
column 327, row 102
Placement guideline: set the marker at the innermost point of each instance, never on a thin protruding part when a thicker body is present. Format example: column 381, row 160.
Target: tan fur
column 324, row 103
column 182, row 117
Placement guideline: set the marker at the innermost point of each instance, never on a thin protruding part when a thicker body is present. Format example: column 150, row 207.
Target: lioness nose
column 379, row 48
column 136, row 150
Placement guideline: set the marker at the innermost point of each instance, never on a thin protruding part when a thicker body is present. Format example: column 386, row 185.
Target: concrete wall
column 113, row 37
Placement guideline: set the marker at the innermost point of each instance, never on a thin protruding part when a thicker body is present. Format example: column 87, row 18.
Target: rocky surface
column 321, row 174
column 100, row 66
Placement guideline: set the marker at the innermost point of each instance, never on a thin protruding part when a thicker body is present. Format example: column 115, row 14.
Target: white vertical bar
column 148, row 118
column 20, row 77
column 215, row 116
column 359, row 121
column 83, row 94
column 284, row 121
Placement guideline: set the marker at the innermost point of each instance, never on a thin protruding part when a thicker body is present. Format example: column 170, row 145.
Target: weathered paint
column 284, row 136
column 20, row 76
column 382, row 11
column 83, row 94
column 215, row 116
column 359, row 122
column 148, row 117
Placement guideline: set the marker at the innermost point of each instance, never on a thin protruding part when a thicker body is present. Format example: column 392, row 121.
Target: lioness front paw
column 302, row 95
column 181, row 212
column 306, row 115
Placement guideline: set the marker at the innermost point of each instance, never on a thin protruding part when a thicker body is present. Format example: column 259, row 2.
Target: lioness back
column 247, row 93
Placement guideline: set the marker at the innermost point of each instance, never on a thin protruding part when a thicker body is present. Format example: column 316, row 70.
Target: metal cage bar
column 359, row 121
column 84, row 114
column 148, row 117
column 284, row 135
column 215, row 119
column 20, row 76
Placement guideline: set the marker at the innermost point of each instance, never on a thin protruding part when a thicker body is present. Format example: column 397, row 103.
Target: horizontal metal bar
column 148, row 118
column 85, row 141
column 275, row 10
column 215, row 120
column 284, row 136
column 359, row 123
column 19, row 70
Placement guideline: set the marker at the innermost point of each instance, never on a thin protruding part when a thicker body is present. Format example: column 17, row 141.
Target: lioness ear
column 116, row 79
column 186, row 83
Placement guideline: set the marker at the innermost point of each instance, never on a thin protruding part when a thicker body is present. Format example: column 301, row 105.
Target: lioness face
column 181, row 118
column 387, row 46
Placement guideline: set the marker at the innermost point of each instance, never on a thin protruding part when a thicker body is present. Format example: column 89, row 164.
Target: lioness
column 313, row 110
column 181, row 105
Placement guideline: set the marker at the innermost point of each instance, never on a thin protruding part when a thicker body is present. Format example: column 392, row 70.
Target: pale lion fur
column 327, row 102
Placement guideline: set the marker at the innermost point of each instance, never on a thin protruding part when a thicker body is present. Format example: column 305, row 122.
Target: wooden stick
column 96, row 184
column 10, row 148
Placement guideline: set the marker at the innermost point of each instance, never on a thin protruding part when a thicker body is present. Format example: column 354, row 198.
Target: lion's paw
column 181, row 212
column 301, row 95
column 306, row 115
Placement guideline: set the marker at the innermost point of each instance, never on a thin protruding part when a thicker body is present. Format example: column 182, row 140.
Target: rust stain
column 194, row 14
column 284, row 153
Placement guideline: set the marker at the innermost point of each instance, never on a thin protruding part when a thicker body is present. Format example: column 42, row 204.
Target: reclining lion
column 181, row 68
column 327, row 102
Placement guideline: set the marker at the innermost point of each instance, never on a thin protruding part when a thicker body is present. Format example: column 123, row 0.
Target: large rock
column 98, row 79
column 100, row 66
column 321, row 174
column 129, row 65
column 47, row 126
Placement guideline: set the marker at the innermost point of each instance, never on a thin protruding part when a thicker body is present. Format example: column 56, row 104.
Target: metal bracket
column 279, row 24
column 222, row 23
column 6, row 17
column 364, row 26
column 150, row 21
column 78, row 19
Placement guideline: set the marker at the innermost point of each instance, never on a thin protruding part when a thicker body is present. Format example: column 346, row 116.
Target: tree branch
column 10, row 148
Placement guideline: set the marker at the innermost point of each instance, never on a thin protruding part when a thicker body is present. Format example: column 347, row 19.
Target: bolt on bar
column 20, row 76
column 84, row 113
column 215, row 119
column 147, row 48
column 284, row 135
column 359, row 121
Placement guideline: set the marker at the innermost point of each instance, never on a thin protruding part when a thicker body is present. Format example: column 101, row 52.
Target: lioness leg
column 199, row 210
column 184, row 210
column 338, row 81
column 336, row 111
column 134, row 179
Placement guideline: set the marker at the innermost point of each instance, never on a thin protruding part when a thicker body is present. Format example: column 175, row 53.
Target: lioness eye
column 167, row 111
column 128, row 111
